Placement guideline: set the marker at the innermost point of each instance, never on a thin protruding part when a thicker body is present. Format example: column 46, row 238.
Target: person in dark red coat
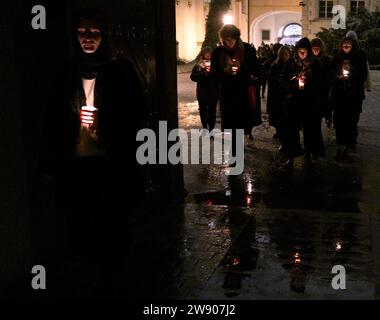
column 235, row 64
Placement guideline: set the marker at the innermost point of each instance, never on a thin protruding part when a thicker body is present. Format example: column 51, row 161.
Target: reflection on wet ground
column 266, row 234
column 287, row 230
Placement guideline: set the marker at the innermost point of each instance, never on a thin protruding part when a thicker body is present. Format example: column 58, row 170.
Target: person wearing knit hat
column 349, row 73
column 353, row 35
column 300, row 83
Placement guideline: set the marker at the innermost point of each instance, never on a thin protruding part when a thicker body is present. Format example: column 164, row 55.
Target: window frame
column 327, row 14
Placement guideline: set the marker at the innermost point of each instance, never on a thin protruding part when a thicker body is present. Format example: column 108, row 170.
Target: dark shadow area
column 86, row 249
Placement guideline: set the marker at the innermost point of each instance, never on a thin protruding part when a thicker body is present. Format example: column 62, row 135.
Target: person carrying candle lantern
column 235, row 65
column 91, row 149
column 300, row 84
column 207, row 89
column 349, row 73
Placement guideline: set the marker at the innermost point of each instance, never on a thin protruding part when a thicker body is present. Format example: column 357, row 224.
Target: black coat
column 302, row 108
column 307, row 101
column 207, row 85
column 326, row 84
column 235, row 106
column 119, row 96
column 275, row 98
column 350, row 93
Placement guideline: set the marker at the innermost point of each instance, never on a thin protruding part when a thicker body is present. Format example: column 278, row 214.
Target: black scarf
column 304, row 65
column 90, row 65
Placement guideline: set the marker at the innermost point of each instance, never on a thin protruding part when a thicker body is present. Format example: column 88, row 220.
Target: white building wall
column 191, row 25
column 275, row 23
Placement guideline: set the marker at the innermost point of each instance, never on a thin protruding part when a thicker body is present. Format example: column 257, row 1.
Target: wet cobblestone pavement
column 266, row 234
column 270, row 234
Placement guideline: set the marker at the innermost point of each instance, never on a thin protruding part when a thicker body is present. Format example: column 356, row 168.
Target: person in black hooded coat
column 90, row 154
column 207, row 89
column 300, row 83
column 349, row 73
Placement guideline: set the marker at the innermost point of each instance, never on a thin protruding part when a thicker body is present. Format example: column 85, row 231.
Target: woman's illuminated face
column 89, row 35
column 230, row 43
column 207, row 55
column 302, row 53
column 347, row 47
column 316, row 51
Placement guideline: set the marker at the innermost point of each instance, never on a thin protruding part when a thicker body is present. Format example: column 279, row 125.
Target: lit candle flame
column 301, row 83
column 236, row 261
column 297, row 258
column 87, row 116
column 249, row 187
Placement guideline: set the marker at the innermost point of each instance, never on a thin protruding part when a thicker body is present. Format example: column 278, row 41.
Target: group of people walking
column 305, row 86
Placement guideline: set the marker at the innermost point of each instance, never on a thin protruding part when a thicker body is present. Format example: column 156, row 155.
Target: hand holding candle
column 235, row 66
column 301, row 82
column 87, row 116
column 207, row 65
column 345, row 71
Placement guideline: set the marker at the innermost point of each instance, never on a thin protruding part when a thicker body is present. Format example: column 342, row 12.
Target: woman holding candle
column 300, row 83
column 207, row 89
column 92, row 128
column 235, row 65
column 349, row 71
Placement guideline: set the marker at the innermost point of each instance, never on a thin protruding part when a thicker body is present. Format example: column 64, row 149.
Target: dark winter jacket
column 207, row 85
column 289, row 83
column 325, row 85
column 305, row 101
column 119, row 98
column 235, row 105
column 274, row 98
column 351, row 90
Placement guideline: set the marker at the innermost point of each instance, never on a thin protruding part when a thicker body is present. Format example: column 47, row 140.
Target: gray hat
column 353, row 35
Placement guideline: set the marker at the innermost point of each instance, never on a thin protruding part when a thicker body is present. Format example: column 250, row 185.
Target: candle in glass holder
column 234, row 67
column 301, row 83
column 207, row 65
column 88, row 116
column 346, row 70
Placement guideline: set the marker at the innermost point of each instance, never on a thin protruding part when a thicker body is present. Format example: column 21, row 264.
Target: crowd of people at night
column 304, row 87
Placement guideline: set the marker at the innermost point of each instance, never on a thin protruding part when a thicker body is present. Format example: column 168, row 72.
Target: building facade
column 318, row 13
column 191, row 18
column 268, row 21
